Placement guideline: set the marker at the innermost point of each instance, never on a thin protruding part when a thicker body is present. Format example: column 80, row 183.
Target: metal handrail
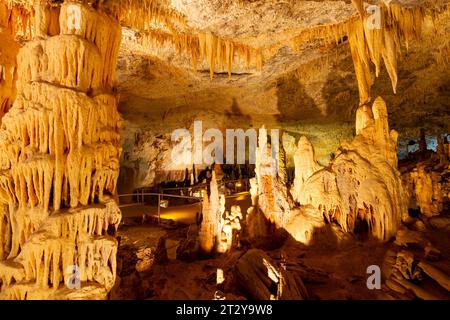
column 141, row 195
column 158, row 194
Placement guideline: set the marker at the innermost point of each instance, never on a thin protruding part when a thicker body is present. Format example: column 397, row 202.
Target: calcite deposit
column 333, row 118
column 212, row 216
column 60, row 152
column 362, row 182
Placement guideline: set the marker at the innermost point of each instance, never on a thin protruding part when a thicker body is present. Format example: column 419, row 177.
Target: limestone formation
column 273, row 198
column 305, row 165
column 425, row 190
column 376, row 38
column 231, row 227
column 213, row 208
column 406, row 271
column 263, row 279
column 60, row 160
column 319, row 215
column 362, row 181
column 8, row 71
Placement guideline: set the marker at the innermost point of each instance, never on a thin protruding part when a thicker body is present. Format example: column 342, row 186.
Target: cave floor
column 340, row 268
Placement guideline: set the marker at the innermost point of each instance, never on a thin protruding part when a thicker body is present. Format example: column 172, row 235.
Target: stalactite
column 370, row 42
column 17, row 18
column 220, row 54
column 60, row 142
column 142, row 13
column 360, row 60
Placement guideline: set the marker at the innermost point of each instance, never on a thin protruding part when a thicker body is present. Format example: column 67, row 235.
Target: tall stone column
column 59, row 160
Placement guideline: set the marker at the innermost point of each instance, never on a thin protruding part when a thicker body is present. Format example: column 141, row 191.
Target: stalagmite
column 362, row 182
column 273, row 197
column 440, row 149
column 231, row 226
column 212, row 210
column 425, row 190
column 59, row 159
column 305, row 165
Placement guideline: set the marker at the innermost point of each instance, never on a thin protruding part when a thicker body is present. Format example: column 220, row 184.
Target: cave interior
column 225, row 149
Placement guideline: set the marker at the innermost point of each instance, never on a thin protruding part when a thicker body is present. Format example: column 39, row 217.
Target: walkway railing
column 140, row 196
column 195, row 193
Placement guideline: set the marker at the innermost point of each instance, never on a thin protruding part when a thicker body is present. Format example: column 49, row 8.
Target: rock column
column 59, row 160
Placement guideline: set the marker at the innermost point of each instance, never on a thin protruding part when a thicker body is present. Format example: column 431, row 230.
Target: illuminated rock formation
column 273, row 198
column 59, row 160
column 377, row 37
column 441, row 152
column 213, row 208
column 405, row 269
column 425, row 190
column 305, row 165
column 260, row 276
column 362, row 182
column 231, row 226
column 8, row 53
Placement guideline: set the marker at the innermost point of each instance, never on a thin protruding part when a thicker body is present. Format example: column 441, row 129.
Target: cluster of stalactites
column 60, row 139
column 377, row 39
column 46, row 249
column 152, row 19
column 143, row 14
column 60, row 142
column 28, row 19
column 372, row 39
column 23, row 222
column 219, row 53
column 8, row 71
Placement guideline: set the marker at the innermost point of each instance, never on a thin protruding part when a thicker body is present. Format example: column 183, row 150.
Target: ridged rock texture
column 213, row 209
column 59, row 159
column 362, row 183
column 425, row 190
column 269, row 192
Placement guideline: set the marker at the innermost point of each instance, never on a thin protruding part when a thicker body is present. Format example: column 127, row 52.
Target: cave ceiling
column 291, row 62
column 313, row 81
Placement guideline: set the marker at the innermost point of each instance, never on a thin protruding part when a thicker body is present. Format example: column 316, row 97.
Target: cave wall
column 318, row 99
column 59, row 160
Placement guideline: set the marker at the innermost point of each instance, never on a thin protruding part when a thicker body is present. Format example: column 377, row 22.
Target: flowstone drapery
column 362, row 184
column 59, row 160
